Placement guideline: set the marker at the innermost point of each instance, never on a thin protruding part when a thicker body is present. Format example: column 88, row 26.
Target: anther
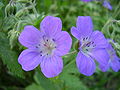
column 94, row 45
column 53, row 39
column 83, row 39
column 86, row 38
column 92, row 42
column 36, row 46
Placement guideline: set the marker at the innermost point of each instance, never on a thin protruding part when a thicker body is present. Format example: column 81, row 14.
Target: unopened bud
column 10, row 8
column 13, row 35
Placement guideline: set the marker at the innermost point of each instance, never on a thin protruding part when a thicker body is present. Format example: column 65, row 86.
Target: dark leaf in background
column 9, row 57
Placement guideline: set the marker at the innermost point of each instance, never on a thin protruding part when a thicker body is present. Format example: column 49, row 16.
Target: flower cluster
column 93, row 46
column 47, row 45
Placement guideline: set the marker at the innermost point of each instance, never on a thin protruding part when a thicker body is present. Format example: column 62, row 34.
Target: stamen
column 92, row 42
column 36, row 46
column 46, row 46
column 83, row 39
column 86, row 38
column 53, row 39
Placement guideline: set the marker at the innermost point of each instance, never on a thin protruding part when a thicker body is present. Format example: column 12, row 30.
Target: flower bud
column 117, row 46
column 10, row 8
column 118, row 22
column 13, row 35
column 22, row 11
column 19, row 13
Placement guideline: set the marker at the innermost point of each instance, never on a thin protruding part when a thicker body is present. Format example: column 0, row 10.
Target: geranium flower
column 45, row 47
column 114, row 60
column 107, row 5
column 91, row 46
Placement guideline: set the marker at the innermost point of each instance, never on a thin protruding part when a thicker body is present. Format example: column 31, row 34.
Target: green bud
column 7, row 8
column 117, row 46
column 22, row 11
column 13, row 36
column 19, row 13
column 10, row 8
column 118, row 22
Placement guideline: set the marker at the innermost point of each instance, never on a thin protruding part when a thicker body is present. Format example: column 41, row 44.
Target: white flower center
column 46, row 46
column 86, row 44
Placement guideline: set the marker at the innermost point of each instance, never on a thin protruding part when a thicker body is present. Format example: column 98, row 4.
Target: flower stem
column 70, row 53
column 69, row 64
column 66, row 66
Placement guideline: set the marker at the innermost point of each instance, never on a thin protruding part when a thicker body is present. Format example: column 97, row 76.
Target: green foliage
column 34, row 87
column 42, row 83
column 70, row 75
column 71, row 79
column 9, row 57
column 111, row 31
column 1, row 5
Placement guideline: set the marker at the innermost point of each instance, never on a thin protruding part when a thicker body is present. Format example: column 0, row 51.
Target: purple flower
column 107, row 5
column 114, row 60
column 91, row 46
column 45, row 47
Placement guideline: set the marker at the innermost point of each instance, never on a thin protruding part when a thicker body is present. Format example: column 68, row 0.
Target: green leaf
column 71, row 78
column 34, row 87
column 9, row 57
column 70, row 75
column 44, row 82
column 8, row 23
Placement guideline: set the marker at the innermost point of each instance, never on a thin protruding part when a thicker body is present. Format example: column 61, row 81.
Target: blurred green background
column 15, row 14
